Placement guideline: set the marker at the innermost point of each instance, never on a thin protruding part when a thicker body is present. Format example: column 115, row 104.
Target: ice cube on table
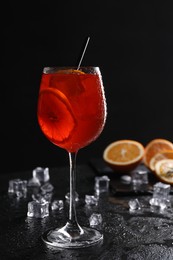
column 67, row 196
column 126, row 179
column 91, row 200
column 46, row 188
column 95, row 219
column 57, row 205
column 34, row 182
column 140, row 177
column 160, row 196
column 161, row 190
column 11, row 185
column 42, row 174
column 102, row 184
column 134, row 204
column 38, row 209
column 38, row 197
column 139, row 180
column 48, row 196
column 158, row 202
column 18, row 187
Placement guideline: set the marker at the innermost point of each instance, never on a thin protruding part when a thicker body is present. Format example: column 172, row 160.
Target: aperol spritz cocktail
column 72, row 113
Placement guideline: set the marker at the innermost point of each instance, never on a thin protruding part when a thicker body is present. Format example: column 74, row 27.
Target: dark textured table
column 133, row 235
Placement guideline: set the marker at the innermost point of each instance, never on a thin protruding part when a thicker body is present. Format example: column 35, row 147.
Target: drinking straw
column 83, row 53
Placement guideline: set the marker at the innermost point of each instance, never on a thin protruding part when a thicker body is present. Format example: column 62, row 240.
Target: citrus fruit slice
column 123, row 155
column 68, row 81
column 160, row 156
column 155, row 146
column 164, row 170
column 70, row 71
column 55, row 115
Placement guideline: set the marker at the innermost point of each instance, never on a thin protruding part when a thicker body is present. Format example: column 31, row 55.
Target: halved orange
column 160, row 156
column 55, row 115
column 155, row 146
column 164, row 170
column 123, row 155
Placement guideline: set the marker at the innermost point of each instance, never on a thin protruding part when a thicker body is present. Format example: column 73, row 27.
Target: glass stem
column 72, row 207
column 72, row 229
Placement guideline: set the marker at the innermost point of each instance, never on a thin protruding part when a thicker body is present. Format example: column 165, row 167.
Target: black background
column 131, row 42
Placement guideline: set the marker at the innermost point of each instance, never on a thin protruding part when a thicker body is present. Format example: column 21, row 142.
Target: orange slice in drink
column 164, row 170
column 55, row 115
column 68, row 81
column 123, row 155
column 70, row 71
column 160, row 156
column 155, row 146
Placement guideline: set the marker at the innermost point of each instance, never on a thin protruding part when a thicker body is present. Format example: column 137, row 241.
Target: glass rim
column 52, row 69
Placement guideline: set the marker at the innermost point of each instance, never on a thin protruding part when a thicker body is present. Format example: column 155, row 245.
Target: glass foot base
column 88, row 238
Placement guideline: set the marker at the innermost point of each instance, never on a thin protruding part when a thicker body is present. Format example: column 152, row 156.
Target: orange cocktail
column 71, row 114
column 71, row 108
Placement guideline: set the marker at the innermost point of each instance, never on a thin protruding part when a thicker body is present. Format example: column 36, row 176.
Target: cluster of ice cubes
column 42, row 192
column 160, row 198
column 159, row 194
column 41, row 202
column 42, row 199
column 101, row 186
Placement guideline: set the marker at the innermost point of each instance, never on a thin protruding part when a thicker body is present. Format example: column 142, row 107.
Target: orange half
column 123, row 155
column 55, row 115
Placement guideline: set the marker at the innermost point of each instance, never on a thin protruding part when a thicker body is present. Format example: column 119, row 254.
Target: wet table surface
column 145, row 234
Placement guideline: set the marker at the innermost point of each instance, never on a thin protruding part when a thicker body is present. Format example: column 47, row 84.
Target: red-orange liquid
column 71, row 109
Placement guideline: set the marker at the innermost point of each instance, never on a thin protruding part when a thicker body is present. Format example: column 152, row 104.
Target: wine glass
column 71, row 114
